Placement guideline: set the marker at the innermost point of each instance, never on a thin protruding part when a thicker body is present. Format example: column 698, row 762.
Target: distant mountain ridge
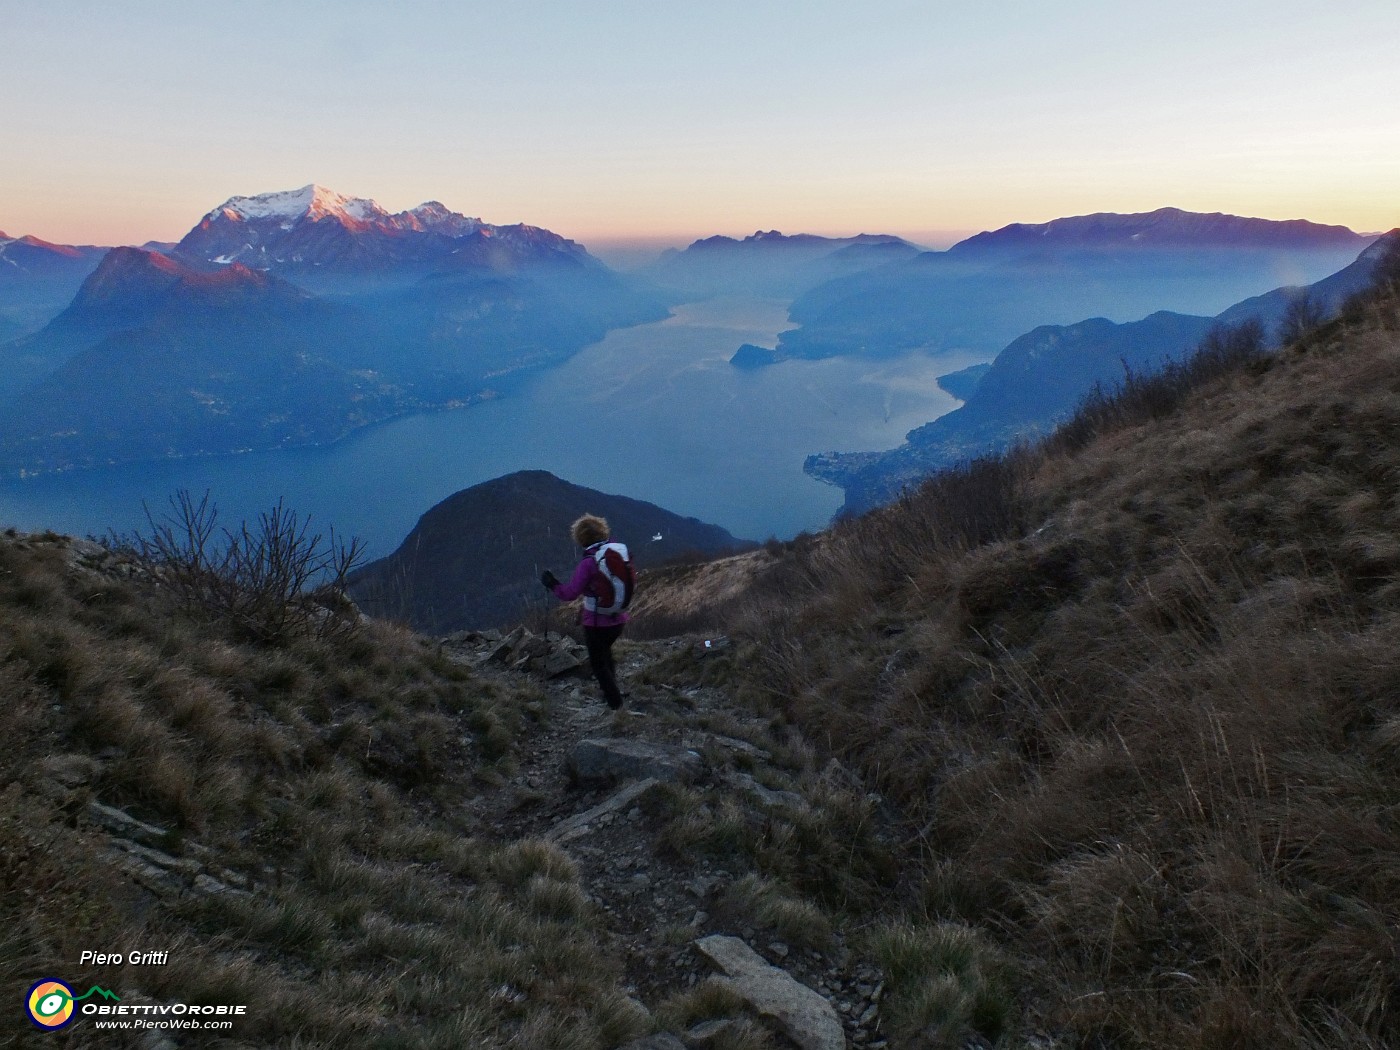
column 1160, row 228
column 396, row 313
column 771, row 263
column 131, row 289
column 776, row 239
column 988, row 289
column 37, row 278
column 474, row 559
column 1039, row 378
column 155, row 359
column 130, row 280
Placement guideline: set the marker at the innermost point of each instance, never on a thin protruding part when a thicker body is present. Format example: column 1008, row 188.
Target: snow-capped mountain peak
column 314, row 230
column 434, row 217
column 312, row 202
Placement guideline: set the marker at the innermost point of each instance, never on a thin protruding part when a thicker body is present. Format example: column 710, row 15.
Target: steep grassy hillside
column 364, row 838
column 286, row 821
column 1138, row 697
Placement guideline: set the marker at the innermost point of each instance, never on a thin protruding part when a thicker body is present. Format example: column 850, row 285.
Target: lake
column 654, row 412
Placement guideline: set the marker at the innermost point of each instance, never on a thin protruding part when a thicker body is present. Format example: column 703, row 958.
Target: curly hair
column 590, row 529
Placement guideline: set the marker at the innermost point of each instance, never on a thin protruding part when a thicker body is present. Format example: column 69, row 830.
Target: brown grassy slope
column 325, row 776
column 700, row 598
column 1151, row 742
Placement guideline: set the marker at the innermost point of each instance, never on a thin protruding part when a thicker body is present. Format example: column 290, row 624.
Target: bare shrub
column 269, row 580
column 962, row 507
column 1151, row 395
column 1303, row 313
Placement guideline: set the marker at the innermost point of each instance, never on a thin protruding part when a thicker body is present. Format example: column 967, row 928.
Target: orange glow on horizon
column 106, row 222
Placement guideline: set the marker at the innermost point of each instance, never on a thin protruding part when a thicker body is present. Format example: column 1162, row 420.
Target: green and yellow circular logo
column 51, row 1004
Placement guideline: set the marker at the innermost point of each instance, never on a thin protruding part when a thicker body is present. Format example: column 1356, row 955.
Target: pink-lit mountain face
column 315, row 231
column 130, row 274
column 137, row 291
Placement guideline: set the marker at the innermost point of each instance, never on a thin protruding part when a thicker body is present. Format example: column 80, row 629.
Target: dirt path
column 656, row 895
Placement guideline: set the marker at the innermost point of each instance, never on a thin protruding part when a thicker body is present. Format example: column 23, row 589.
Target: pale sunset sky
column 123, row 121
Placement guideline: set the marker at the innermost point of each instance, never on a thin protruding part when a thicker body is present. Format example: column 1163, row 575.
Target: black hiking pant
column 600, row 642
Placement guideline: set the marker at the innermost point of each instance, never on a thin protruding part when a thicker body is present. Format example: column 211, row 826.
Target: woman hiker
column 604, row 578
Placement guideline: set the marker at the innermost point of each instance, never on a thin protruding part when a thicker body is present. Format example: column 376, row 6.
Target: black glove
column 547, row 578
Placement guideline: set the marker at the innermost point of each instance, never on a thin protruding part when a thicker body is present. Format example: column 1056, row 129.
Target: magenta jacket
column 586, row 581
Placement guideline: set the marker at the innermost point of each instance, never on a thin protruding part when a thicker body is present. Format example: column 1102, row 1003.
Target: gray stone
column 85, row 554
column 189, row 868
column 801, row 1014
column 209, row 885
column 602, row 759
column 742, row 746
column 502, row 650
column 579, row 825
column 149, row 875
column 532, row 646
column 71, row 771
column 561, row 662
column 124, row 824
column 701, row 885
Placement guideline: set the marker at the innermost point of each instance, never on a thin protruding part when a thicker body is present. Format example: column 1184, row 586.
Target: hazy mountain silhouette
column 37, row 279
column 421, row 309
column 474, row 560
column 770, row 263
column 1039, row 378
column 154, row 359
column 988, row 289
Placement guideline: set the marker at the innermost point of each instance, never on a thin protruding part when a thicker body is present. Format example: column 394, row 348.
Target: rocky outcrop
column 134, row 851
column 550, row 655
column 578, row 826
column 803, row 1016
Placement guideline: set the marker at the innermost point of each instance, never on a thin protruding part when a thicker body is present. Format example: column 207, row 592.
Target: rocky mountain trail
column 618, row 792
